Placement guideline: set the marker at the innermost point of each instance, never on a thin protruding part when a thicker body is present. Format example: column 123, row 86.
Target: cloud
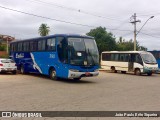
column 116, row 15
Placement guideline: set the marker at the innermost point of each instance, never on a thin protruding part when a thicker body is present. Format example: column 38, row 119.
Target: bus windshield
column 148, row 58
column 83, row 51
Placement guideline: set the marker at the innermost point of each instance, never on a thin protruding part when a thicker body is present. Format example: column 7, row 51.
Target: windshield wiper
column 150, row 63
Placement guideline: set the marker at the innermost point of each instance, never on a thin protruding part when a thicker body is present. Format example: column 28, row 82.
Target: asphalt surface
column 107, row 92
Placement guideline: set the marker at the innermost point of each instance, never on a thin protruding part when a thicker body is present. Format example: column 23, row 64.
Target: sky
column 80, row 16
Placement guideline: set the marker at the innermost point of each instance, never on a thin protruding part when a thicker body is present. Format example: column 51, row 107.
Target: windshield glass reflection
column 83, row 51
column 148, row 58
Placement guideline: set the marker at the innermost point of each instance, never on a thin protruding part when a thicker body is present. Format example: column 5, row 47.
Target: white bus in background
column 139, row 62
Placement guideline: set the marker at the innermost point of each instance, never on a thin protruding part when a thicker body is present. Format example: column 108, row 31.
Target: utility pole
column 135, row 31
column 7, row 45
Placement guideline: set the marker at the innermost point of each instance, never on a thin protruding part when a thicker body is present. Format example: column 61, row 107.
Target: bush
column 2, row 47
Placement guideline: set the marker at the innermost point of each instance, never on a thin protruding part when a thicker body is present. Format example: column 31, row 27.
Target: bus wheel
column 113, row 70
column 124, row 72
column 22, row 70
column 137, row 72
column 52, row 74
column 149, row 74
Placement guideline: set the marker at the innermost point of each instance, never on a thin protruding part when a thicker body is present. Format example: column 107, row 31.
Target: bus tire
column 137, row 71
column 113, row 69
column 149, row 74
column 124, row 72
column 52, row 74
column 22, row 71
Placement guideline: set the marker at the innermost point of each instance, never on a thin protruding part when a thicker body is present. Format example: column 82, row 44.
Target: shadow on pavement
column 82, row 81
column 131, row 73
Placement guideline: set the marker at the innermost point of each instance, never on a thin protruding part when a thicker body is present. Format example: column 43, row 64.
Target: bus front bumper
column 150, row 70
column 74, row 74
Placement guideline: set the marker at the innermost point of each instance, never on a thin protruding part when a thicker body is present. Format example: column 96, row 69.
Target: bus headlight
column 74, row 70
column 146, row 67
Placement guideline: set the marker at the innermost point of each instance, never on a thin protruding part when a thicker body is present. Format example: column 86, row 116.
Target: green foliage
column 142, row 48
column 44, row 30
column 105, row 41
column 2, row 47
column 123, row 45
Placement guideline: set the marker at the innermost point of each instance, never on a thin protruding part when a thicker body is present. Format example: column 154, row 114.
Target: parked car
column 8, row 65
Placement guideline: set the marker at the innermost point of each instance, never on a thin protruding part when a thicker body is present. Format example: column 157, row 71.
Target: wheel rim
column 113, row 69
column 53, row 74
column 138, row 72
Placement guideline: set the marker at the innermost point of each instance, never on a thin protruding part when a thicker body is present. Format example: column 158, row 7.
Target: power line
column 44, row 17
column 31, row 14
column 150, row 14
column 122, row 24
column 54, row 4
column 73, row 9
column 149, row 35
column 81, row 11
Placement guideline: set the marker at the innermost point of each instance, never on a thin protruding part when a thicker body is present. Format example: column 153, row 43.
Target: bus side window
column 20, row 46
column 14, row 47
column 26, row 46
column 106, row 57
column 127, row 58
column 62, row 49
column 11, row 47
column 112, row 57
column 33, row 45
column 51, row 44
column 41, row 45
column 116, row 57
column 138, row 58
column 122, row 57
column 132, row 58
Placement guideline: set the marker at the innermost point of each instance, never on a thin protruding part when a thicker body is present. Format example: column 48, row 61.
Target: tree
column 2, row 47
column 44, row 30
column 123, row 45
column 105, row 41
column 142, row 48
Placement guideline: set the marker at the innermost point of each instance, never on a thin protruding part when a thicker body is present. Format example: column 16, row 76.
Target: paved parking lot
column 107, row 92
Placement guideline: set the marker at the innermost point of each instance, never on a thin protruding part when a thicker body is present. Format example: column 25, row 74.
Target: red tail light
column 1, row 64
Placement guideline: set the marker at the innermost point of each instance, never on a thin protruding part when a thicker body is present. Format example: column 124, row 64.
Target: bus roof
column 55, row 35
column 124, row 51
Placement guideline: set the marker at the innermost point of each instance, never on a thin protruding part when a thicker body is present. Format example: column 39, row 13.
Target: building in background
column 4, row 44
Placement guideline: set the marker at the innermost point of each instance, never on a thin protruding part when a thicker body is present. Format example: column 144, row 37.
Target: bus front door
column 131, row 62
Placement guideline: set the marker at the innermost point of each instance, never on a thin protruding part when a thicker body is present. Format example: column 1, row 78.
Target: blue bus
column 156, row 54
column 58, row 56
